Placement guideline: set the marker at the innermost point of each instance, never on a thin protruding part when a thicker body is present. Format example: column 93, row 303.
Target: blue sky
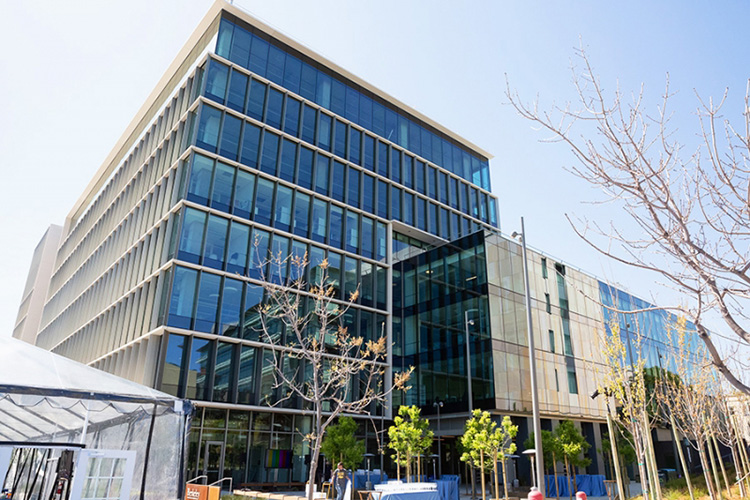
column 74, row 73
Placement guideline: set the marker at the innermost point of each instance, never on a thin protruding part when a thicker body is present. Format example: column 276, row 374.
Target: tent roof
column 30, row 369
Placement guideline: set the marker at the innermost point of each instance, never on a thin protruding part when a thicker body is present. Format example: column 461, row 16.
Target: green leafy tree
column 341, row 445
column 552, row 452
column 483, row 443
column 503, row 445
column 572, row 445
column 409, row 436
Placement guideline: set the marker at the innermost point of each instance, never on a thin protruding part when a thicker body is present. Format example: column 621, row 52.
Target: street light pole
column 438, row 405
column 468, row 322
column 532, row 366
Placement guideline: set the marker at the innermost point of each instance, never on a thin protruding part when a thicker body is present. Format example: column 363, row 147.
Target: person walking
column 340, row 478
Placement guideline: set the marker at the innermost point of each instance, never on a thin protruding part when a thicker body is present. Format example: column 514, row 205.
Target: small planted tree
column 477, row 443
column 572, row 445
column 409, row 436
column 503, row 445
column 552, row 453
column 341, row 445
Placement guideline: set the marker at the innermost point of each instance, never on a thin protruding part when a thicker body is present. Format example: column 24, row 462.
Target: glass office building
column 251, row 144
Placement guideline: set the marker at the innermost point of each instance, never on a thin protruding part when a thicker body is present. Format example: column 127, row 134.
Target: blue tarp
column 591, row 484
column 360, row 479
column 448, row 489
column 417, row 495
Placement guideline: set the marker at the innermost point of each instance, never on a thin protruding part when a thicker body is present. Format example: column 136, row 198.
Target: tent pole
column 148, row 451
column 85, row 424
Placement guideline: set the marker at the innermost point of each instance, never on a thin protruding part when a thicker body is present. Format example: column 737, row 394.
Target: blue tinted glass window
column 237, row 91
column 395, row 203
column 473, row 201
column 292, row 73
column 419, row 177
column 279, row 251
column 263, row 202
column 463, row 198
column 444, row 224
column 258, row 56
column 237, row 248
column 244, row 193
column 431, row 183
column 216, row 242
column 337, row 180
column 221, row 196
column 291, row 116
column 174, row 362
column 382, row 199
column 421, row 214
column 251, row 326
column 483, row 206
column 395, row 165
column 308, row 124
column 246, row 376
column 382, row 159
column 368, row 193
column 319, row 221
column 336, row 227
column 355, row 149
column 201, row 174
column 352, row 232
column 316, row 259
column 443, row 187
column 321, row 174
column 273, row 111
column 353, row 189
column 433, row 219
column 323, row 96
column 334, row 272
column 339, row 147
column 308, row 82
column 208, row 129
column 365, row 112
column 453, row 198
column 301, row 214
column 230, row 137
column 298, row 254
column 324, row 132
column 283, row 215
column 369, row 162
column 408, row 171
column 381, row 287
column 351, row 277
column 224, row 368
column 208, row 301
column 191, row 238
column 224, row 42
column 305, row 168
column 258, row 253
column 256, row 100
column 231, row 304
column 241, row 42
column 338, row 97
column 455, row 230
column 197, row 378
column 352, row 105
column 270, row 152
column 390, row 125
column 216, row 81
column 381, row 243
column 408, row 215
column 276, row 59
column 250, row 141
column 288, row 160
column 368, row 247
column 378, row 119
column 183, row 297
column 493, row 212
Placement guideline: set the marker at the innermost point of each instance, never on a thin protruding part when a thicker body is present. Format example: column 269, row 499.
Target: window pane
column 223, row 372
column 367, row 237
column 208, row 129
column 256, row 100
column 408, row 209
column 231, row 303
column 241, row 42
column 173, row 364
column 353, row 181
column 270, row 153
column 382, row 159
column 381, row 244
column 291, row 116
column 301, row 213
column 216, row 239
column 183, row 297
column 237, row 91
column 216, row 81
column 453, row 198
column 308, row 82
column 444, row 224
column 422, row 214
column 324, row 132
column 200, row 355
column 395, row 203
column 339, row 148
column 244, row 193
column 395, row 165
column 276, row 59
column 316, row 259
column 283, row 215
column 246, row 382
column 368, row 194
column 263, row 202
column 191, row 239
column 419, row 174
column 221, row 197
column 305, row 168
column 355, row 140
column 352, row 232
column 237, row 250
column 273, row 111
column 200, row 179
column 280, row 252
column 408, row 171
column 319, row 221
column 288, row 160
column 334, row 272
column 337, row 222
column 433, row 219
column 251, row 325
column 230, row 137
column 321, row 174
column 250, row 141
column 367, row 283
column 431, row 182
column 351, row 277
column 382, row 199
column 208, row 301
column 381, row 286
column 369, row 162
column 337, row 181
column 308, row 124
column 292, row 70
column 258, row 254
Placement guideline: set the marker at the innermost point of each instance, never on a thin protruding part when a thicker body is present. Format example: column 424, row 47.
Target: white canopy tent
column 127, row 440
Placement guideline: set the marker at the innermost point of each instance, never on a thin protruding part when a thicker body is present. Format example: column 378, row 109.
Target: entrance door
column 213, row 460
column 103, row 474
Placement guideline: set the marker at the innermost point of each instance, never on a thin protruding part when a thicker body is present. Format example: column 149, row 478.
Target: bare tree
column 692, row 211
column 318, row 362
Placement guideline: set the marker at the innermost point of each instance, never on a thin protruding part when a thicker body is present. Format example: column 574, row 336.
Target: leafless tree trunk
column 692, row 211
